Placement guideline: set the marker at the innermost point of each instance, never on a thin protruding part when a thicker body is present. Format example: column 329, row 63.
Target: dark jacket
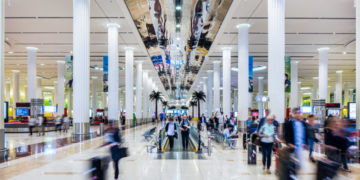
column 288, row 131
column 182, row 125
column 339, row 142
column 311, row 132
column 167, row 127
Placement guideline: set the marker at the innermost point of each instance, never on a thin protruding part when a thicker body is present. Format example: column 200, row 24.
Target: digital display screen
column 22, row 112
column 51, row 109
column 99, row 114
column 306, row 109
column 255, row 114
column 5, row 110
column 352, row 111
column 333, row 112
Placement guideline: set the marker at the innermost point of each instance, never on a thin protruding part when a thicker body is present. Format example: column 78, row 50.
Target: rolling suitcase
column 251, row 153
column 99, row 167
column 244, row 140
column 326, row 169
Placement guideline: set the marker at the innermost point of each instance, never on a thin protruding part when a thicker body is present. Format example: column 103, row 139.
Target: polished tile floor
column 71, row 162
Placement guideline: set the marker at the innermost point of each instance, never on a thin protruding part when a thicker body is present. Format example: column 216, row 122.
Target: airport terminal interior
column 179, row 89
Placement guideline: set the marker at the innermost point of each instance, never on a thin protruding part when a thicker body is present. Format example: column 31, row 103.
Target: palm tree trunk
column 199, row 110
column 156, row 118
column 192, row 111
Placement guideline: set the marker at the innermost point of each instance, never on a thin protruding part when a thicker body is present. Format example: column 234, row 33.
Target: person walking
column 267, row 139
column 170, row 132
column 40, row 122
column 66, row 122
column 295, row 134
column 32, row 124
column 114, row 141
column 58, row 124
column 221, row 122
column 311, row 139
column 185, row 128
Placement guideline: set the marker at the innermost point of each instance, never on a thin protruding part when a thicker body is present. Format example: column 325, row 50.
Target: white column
column 139, row 84
column 209, row 94
column 243, row 72
column 55, row 99
column 227, row 81
column 2, row 129
column 129, row 84
column 7, row 91
column 113, row 108
column 294, row 85
column 216, row 86
column 276, row 63
column 81, row 71
column 16, row 87
column 94, row 96
column 299, row 95
column 260, row 93
column 323, row 73
column 338, row 87
column 357, row 50
column 203, row 103
column 315, row 88
column 31, row 73
column 60, row 93
column 38, row 87
column 145, row 94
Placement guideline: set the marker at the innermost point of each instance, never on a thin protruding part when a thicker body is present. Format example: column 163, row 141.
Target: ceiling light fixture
column 178, row 8
column 10, row 52
column 178, row 38
column 344, row 52
column 178, row 25
column 259, row 68
column 42, row 64
column 305, row 88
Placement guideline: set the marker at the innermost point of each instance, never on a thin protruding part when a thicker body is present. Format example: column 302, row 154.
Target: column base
column 81, row 130
column 2, row 141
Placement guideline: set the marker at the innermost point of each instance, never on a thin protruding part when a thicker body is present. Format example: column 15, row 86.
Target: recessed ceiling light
column 71, row 52
column 18, row 64
column 42, row 64
column 178, row 38
column 10, row 52
column 178, row 25
column 344, row 52
column 178, row 7
column 305, row 88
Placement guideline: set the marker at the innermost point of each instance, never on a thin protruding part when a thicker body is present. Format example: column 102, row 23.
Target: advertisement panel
column 105, row 73
column 287, row 74
column 251, row 74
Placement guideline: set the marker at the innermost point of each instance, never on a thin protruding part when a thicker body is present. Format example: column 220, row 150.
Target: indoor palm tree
column 198, row 96
column 192, row 104
column 165, row 105
column 155, row 96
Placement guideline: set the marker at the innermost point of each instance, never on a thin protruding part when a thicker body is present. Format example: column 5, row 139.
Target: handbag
column 118, row 153
column 176, row 135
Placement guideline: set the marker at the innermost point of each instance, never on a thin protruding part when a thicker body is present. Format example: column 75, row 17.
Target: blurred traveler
column 185, row 129
column 114, row 141
column 170, row 132
column 66, row 122
column 336, row 142
column 58, row 123
column 311, row 139
column 267, row 138
column 32, row 124
column 40, row 124
column 221, row 122
column 295, row 134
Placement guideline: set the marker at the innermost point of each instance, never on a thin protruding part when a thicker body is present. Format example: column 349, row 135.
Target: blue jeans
column 266, row 149
column 311, row 146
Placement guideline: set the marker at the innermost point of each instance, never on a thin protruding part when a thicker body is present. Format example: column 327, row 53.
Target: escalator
column 178, row 152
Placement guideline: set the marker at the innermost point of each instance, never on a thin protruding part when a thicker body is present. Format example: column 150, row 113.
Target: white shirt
column 221, row 119
column 171, row 129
